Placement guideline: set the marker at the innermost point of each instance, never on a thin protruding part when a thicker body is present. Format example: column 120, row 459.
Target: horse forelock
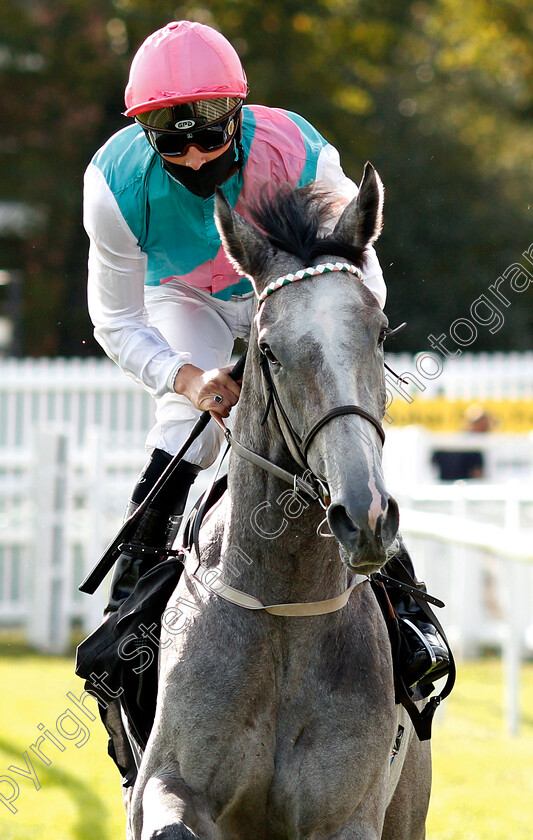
column 293, row 221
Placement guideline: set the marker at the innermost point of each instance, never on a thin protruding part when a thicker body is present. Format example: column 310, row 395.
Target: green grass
column 79, row 797
column 483, row 778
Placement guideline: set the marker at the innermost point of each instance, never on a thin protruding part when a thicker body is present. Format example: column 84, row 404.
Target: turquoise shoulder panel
column 241, row 288
column 248, row 130
column 314, row 143
column 175, row 228
column 124, row 161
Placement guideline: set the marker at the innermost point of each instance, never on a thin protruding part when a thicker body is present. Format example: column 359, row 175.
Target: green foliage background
column 438, row 95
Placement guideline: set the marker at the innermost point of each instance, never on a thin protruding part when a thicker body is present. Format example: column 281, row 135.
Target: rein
column 309, row 484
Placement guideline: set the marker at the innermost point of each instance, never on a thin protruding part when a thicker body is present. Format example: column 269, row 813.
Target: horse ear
column 246, row 247
column 362, row 220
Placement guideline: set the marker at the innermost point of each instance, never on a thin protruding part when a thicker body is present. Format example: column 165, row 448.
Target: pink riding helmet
column 183, row 62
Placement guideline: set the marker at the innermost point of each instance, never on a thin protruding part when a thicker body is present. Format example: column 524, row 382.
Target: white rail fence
column 49, row 411
column 57, row 510
column 470, row 376
column 473, row 545
column 78, row 393
column 71, row 447
column 62, row 504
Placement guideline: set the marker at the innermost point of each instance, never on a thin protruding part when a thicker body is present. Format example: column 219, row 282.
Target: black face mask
column 203, row 181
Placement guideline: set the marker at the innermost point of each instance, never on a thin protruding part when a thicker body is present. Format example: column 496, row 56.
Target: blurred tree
column 62, row 77
column 438, row 95
column 456, row 120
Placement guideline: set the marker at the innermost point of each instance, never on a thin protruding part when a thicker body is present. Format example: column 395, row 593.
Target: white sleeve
column 117, row 268
column 330, row 173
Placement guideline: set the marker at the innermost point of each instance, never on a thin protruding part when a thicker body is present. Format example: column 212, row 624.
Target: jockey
column 165, row 301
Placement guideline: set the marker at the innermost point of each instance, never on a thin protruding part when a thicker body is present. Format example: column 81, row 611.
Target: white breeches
column 192, row 320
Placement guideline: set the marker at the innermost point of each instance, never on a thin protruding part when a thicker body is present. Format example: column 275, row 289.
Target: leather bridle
column 309, row 484
column 303, row 442
column 300, row 443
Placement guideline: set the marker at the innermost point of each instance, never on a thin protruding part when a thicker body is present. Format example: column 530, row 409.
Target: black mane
column 291, row 220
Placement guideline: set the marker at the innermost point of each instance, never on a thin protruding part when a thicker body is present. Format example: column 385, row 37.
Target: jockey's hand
column 202, row 386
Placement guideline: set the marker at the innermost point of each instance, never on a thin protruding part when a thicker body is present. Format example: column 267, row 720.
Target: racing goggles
column 208, row 124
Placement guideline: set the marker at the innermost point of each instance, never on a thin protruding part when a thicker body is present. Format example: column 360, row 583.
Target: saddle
column 119, row 661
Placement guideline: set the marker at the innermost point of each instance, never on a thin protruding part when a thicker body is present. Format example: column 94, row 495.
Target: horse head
column 321, row 345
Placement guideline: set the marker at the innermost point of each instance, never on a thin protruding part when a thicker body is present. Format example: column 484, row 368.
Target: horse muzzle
column 364, row 535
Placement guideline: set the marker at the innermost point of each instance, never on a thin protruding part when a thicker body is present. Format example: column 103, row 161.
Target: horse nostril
column 342, row 526
column 390, row 522
column 350, row 535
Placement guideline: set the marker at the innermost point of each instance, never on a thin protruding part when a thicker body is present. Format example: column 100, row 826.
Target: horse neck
column 272, row 542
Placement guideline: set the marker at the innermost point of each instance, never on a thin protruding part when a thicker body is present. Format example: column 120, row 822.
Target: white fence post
column 512, row 647
column 95, row 543
column 460, row 591
column 50, row 567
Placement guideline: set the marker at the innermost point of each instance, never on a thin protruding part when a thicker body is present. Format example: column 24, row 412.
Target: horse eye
column 266, row 351
column 383, row 335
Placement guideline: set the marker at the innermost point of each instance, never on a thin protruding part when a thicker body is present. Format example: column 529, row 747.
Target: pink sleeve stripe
column 277, row 154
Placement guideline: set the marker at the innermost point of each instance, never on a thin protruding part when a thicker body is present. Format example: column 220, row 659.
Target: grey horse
column 271, row 725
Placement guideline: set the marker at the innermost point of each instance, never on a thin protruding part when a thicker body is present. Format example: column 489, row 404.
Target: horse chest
column 283, row 734
column 298, row 773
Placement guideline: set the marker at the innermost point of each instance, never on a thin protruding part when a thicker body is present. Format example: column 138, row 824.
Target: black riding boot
column 424, row 655
column 158, row 526
column 101, row 655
